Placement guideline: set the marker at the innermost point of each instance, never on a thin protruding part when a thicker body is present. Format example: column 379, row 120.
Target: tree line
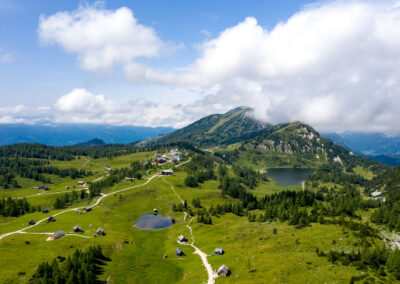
column 15, row 207
column 83, row 267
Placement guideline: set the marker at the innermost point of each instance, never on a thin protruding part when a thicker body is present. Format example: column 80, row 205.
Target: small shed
column 108, row 168
column 87, row 209
column 129, row 179
column 31, row 222
column 155, row 210
column 223, row 270
column 100, row 232
column 51, row 219
column 182, row 239
column 67, row 187
column 38, row 187
column 179, row 252
column 78, row 212
column 46, row 188
column 77, row 229
column 169, row 172
column 218, row 251
column 81, row 182
column 89, row 182
column 46, row 211
column 57, row 235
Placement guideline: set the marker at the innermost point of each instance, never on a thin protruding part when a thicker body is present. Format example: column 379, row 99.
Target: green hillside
column 215, row 129
column 293, row 145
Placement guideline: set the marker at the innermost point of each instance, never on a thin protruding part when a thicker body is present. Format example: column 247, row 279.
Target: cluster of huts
column 174, row 155
column 223, row 270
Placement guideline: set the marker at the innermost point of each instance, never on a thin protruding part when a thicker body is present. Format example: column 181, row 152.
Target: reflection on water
column 154, row 221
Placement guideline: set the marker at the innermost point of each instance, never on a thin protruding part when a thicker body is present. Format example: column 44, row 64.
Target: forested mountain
column 236, row 136
column 215, row 129
column 297, row 145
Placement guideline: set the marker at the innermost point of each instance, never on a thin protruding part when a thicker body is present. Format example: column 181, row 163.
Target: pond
column 284, row 176
column 154, row 221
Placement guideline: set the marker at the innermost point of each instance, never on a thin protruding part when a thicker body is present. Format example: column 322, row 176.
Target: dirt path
column 203, row 256
column 77, row 208
column 85, row 163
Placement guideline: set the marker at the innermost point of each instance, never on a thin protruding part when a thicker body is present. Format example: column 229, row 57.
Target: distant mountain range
column 71, row 134
column 367, row 143
column 376, row 146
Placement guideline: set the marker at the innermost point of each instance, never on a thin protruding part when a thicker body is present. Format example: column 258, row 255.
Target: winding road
column 77, row 208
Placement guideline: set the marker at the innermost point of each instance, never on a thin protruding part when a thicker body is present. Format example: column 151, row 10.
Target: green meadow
column 269, row 252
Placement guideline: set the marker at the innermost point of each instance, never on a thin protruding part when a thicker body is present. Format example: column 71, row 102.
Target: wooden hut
column 77, row 229
column 223, row 270
column 100, row 232
column 182, row 239
column 31, row 222
column 179, row 252
column 51, row 219
column 218, row 251
column 57, row 235
column 87, row 209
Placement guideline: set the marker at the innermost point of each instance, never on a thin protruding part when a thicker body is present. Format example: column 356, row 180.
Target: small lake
column 284, row 176
column 154, row 221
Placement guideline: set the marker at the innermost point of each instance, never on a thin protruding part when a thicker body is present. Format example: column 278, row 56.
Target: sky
column 331, row 64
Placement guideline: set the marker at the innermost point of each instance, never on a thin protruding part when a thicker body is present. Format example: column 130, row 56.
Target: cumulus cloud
column 333, row 65
column 101, row 38
column 81, row 106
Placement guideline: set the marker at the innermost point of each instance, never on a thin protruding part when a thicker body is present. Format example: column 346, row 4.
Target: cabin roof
column 223, row 267
column 58, row 233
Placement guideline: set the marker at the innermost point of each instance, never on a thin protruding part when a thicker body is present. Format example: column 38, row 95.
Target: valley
column 325, row 226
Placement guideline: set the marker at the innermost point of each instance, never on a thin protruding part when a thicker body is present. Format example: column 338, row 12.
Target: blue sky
column 332, row 64
column 41, row 74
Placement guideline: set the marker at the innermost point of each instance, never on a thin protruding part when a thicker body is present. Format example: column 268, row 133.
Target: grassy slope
column 137, row 255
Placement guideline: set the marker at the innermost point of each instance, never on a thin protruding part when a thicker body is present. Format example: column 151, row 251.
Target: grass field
column 253, row 252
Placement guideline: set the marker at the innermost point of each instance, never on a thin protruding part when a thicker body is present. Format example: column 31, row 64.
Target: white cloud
column 81, row 106
column 333, row 65
column 101, row 38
